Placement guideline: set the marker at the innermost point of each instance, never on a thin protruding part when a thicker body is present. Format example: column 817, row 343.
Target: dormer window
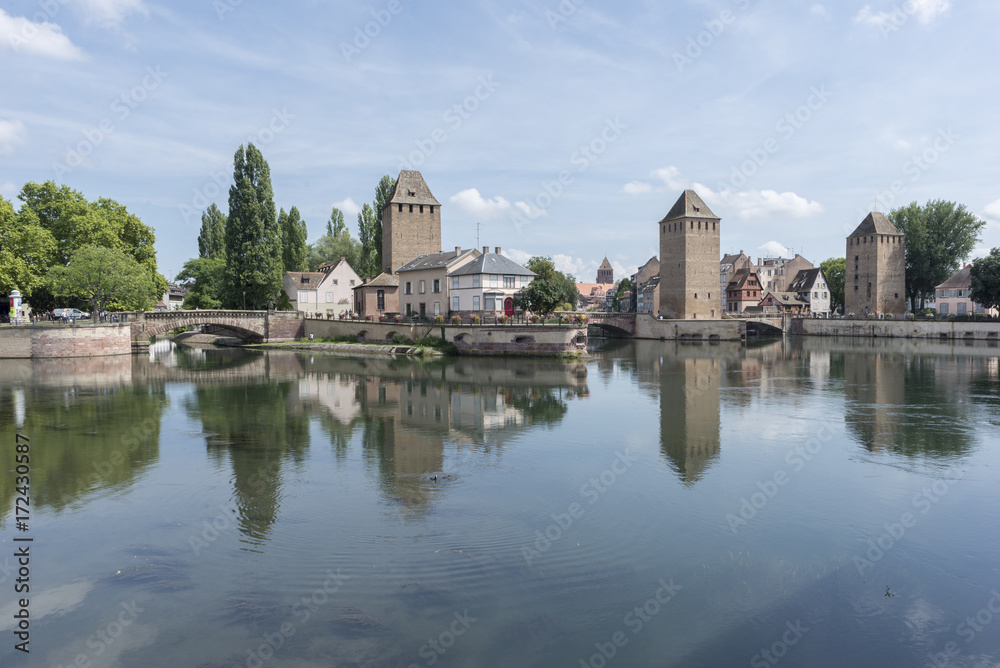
column 305, row 279
column 411, row 193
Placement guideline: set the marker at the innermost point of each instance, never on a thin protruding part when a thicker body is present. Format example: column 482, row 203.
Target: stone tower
column 411, row 222
column 876, row 268
column 605, row 273
column 689, row 261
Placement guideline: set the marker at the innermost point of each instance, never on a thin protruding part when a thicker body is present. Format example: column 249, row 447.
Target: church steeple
column 605, row 273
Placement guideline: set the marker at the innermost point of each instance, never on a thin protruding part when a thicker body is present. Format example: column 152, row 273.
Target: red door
column 508, row 306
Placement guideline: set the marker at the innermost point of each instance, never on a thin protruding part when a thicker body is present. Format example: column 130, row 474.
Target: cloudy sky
column 548, row 128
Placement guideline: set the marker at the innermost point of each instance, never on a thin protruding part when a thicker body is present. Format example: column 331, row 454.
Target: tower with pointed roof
column 605, row 273
column 875, row 278
column 411, row 222
column 689, row 260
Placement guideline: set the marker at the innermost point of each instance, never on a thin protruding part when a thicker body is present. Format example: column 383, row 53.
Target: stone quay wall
column 64, row 340
column 919, row 329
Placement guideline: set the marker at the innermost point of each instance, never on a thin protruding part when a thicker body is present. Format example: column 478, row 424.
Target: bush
column 400, row 340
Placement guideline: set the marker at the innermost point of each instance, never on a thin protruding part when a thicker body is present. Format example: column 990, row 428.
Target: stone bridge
column 618, row 325
column 254, row 326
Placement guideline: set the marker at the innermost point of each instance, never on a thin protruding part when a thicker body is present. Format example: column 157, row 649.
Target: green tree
column 623, row 296
column 293, row 240
column 106, row 277
column 253, row 239
column 938, row 236
column 335, row 244
column 336, row 224
column 212, row 238
column 207, row 277
column 383, row 193
column 27, row 250
column 835, row 269
column 986, row 280
column 548, row 289
column 371, row 256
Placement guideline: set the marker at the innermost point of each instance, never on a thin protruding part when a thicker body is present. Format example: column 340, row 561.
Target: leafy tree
column 383, row 193
column 293, row 240
column 548, row 289
column 27, row 250
column 622, row 294
column 835, row 270
column 332, row 247
column 212, row 238
column 253, row 239
column 938, row 236
column 986, row 280
column 370, row 264
column 336, row 224
column 106, row 277
column 207, row 276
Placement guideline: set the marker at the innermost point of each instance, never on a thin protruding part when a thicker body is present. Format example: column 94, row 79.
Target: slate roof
column 960, row 279
column 433, row 260
column 786, row 298
column 605, row 265
column 327, row 267
column 875, row 223
column 491, row 263
column 690, row 205
column 804, row 280
column 740, row 278
column 383, row 280
column 412, row 189
column 315, row 277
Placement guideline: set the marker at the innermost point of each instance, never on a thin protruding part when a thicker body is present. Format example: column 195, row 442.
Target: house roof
column 960, row 279
column 315, row 277
column 434, row 260
column 327, row 267
column 592, row 289
column 740, row 278
column 382, row 280
column 785, row 298
column 492, row 263
column 690, row 205
column 804, row 280
column 411, row 189
column 605, row 265
column 875, row 223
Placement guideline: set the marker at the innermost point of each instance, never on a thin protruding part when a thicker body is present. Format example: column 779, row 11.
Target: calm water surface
column 803, row 503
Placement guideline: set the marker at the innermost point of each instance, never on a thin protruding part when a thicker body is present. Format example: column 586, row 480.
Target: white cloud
column 925, row 11
column 350, row 208
column 531, row 211
column 637, row 188
column 773, row 249
column 582, row 270
column 820, row 11
column 753, row 204
column 36, row 39
column 516, row 255
column 12, row 133
column 107, row 13
column 473, row 203
column 992, row 211
column 669, row 176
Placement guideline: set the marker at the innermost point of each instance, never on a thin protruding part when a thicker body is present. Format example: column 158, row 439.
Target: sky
column 562, row 128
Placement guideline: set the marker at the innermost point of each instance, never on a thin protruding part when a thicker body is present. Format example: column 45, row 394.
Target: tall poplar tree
column 293, row 240
column 383, row 193
column 253, row 239
column 371, row 255
column 212, row 238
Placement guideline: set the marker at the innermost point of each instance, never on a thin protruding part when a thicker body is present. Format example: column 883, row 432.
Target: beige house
column 776, row 273
column 327, row 291
column 423, row 286
column 377, row 296
column 487, row 285
column 954, row 295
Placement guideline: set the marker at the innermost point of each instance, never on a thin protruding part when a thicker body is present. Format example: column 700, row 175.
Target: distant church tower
column 875, row 278
column 689, row 260
column 411, row 222
column 605, row 273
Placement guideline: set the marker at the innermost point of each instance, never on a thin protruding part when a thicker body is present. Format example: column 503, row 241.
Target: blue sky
column 550, row 128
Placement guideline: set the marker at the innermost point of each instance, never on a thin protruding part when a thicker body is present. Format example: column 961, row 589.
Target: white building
column 488, row 284
column 327, row 291
column 811, row 286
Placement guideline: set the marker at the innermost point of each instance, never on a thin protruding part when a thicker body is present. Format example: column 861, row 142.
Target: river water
column 807, row 502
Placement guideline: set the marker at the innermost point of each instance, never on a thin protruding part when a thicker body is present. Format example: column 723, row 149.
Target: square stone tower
column 689, row 260
column 875, row 278
column 605, row 273
column 411, row 222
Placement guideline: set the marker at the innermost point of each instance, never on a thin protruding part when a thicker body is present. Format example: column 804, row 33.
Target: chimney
column 458, row 250
column 486, row 249
column 497, row 250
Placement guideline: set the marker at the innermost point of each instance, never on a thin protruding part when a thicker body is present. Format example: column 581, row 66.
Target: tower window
column 401, row 208
column 432, row 209
column 692, row 224
column 411, row 208
column 421, row 208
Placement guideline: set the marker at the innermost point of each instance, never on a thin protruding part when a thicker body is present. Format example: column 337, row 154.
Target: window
column 380, row 299
column 437, row 285
column 303, row 297
column 335, row 281
column 824, row 295
column 409, row 288
column 437, row 308
column 421, row 208
column 409, row 309
column 494, row 281
column 475, row 281
column 352, row 281
column 432, row 209
column 454, row 282
column 422, row 290
column 490, row 304
column 508, row 281
column 943, row 309
column 411, row 208
column 454, row 303
column 961, row 308
column 329, row 297
column 401, row 208
column 475, row 302
column 305, row 280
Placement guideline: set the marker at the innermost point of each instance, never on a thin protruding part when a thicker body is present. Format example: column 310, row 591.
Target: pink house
column 952, row 296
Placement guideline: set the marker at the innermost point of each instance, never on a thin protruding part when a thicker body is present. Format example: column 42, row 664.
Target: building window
column 329, row 297
column 411, row 208
column 437, row 308
column 508, row 282
column 380, row 300
column 303, row 297
column 432, row 209
column 494, row 281
column 454, row 303
column 475, row 302
column 524, row 281
column 352, row 281
column 943, row 309
column 401, row 208
column 490, row 304
column 961, row 308
column 475, row 281
column 409, row 308
column 422, row 290
column 437, row 285
column 454, row 282
column 421, row 208
column 409, row 288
